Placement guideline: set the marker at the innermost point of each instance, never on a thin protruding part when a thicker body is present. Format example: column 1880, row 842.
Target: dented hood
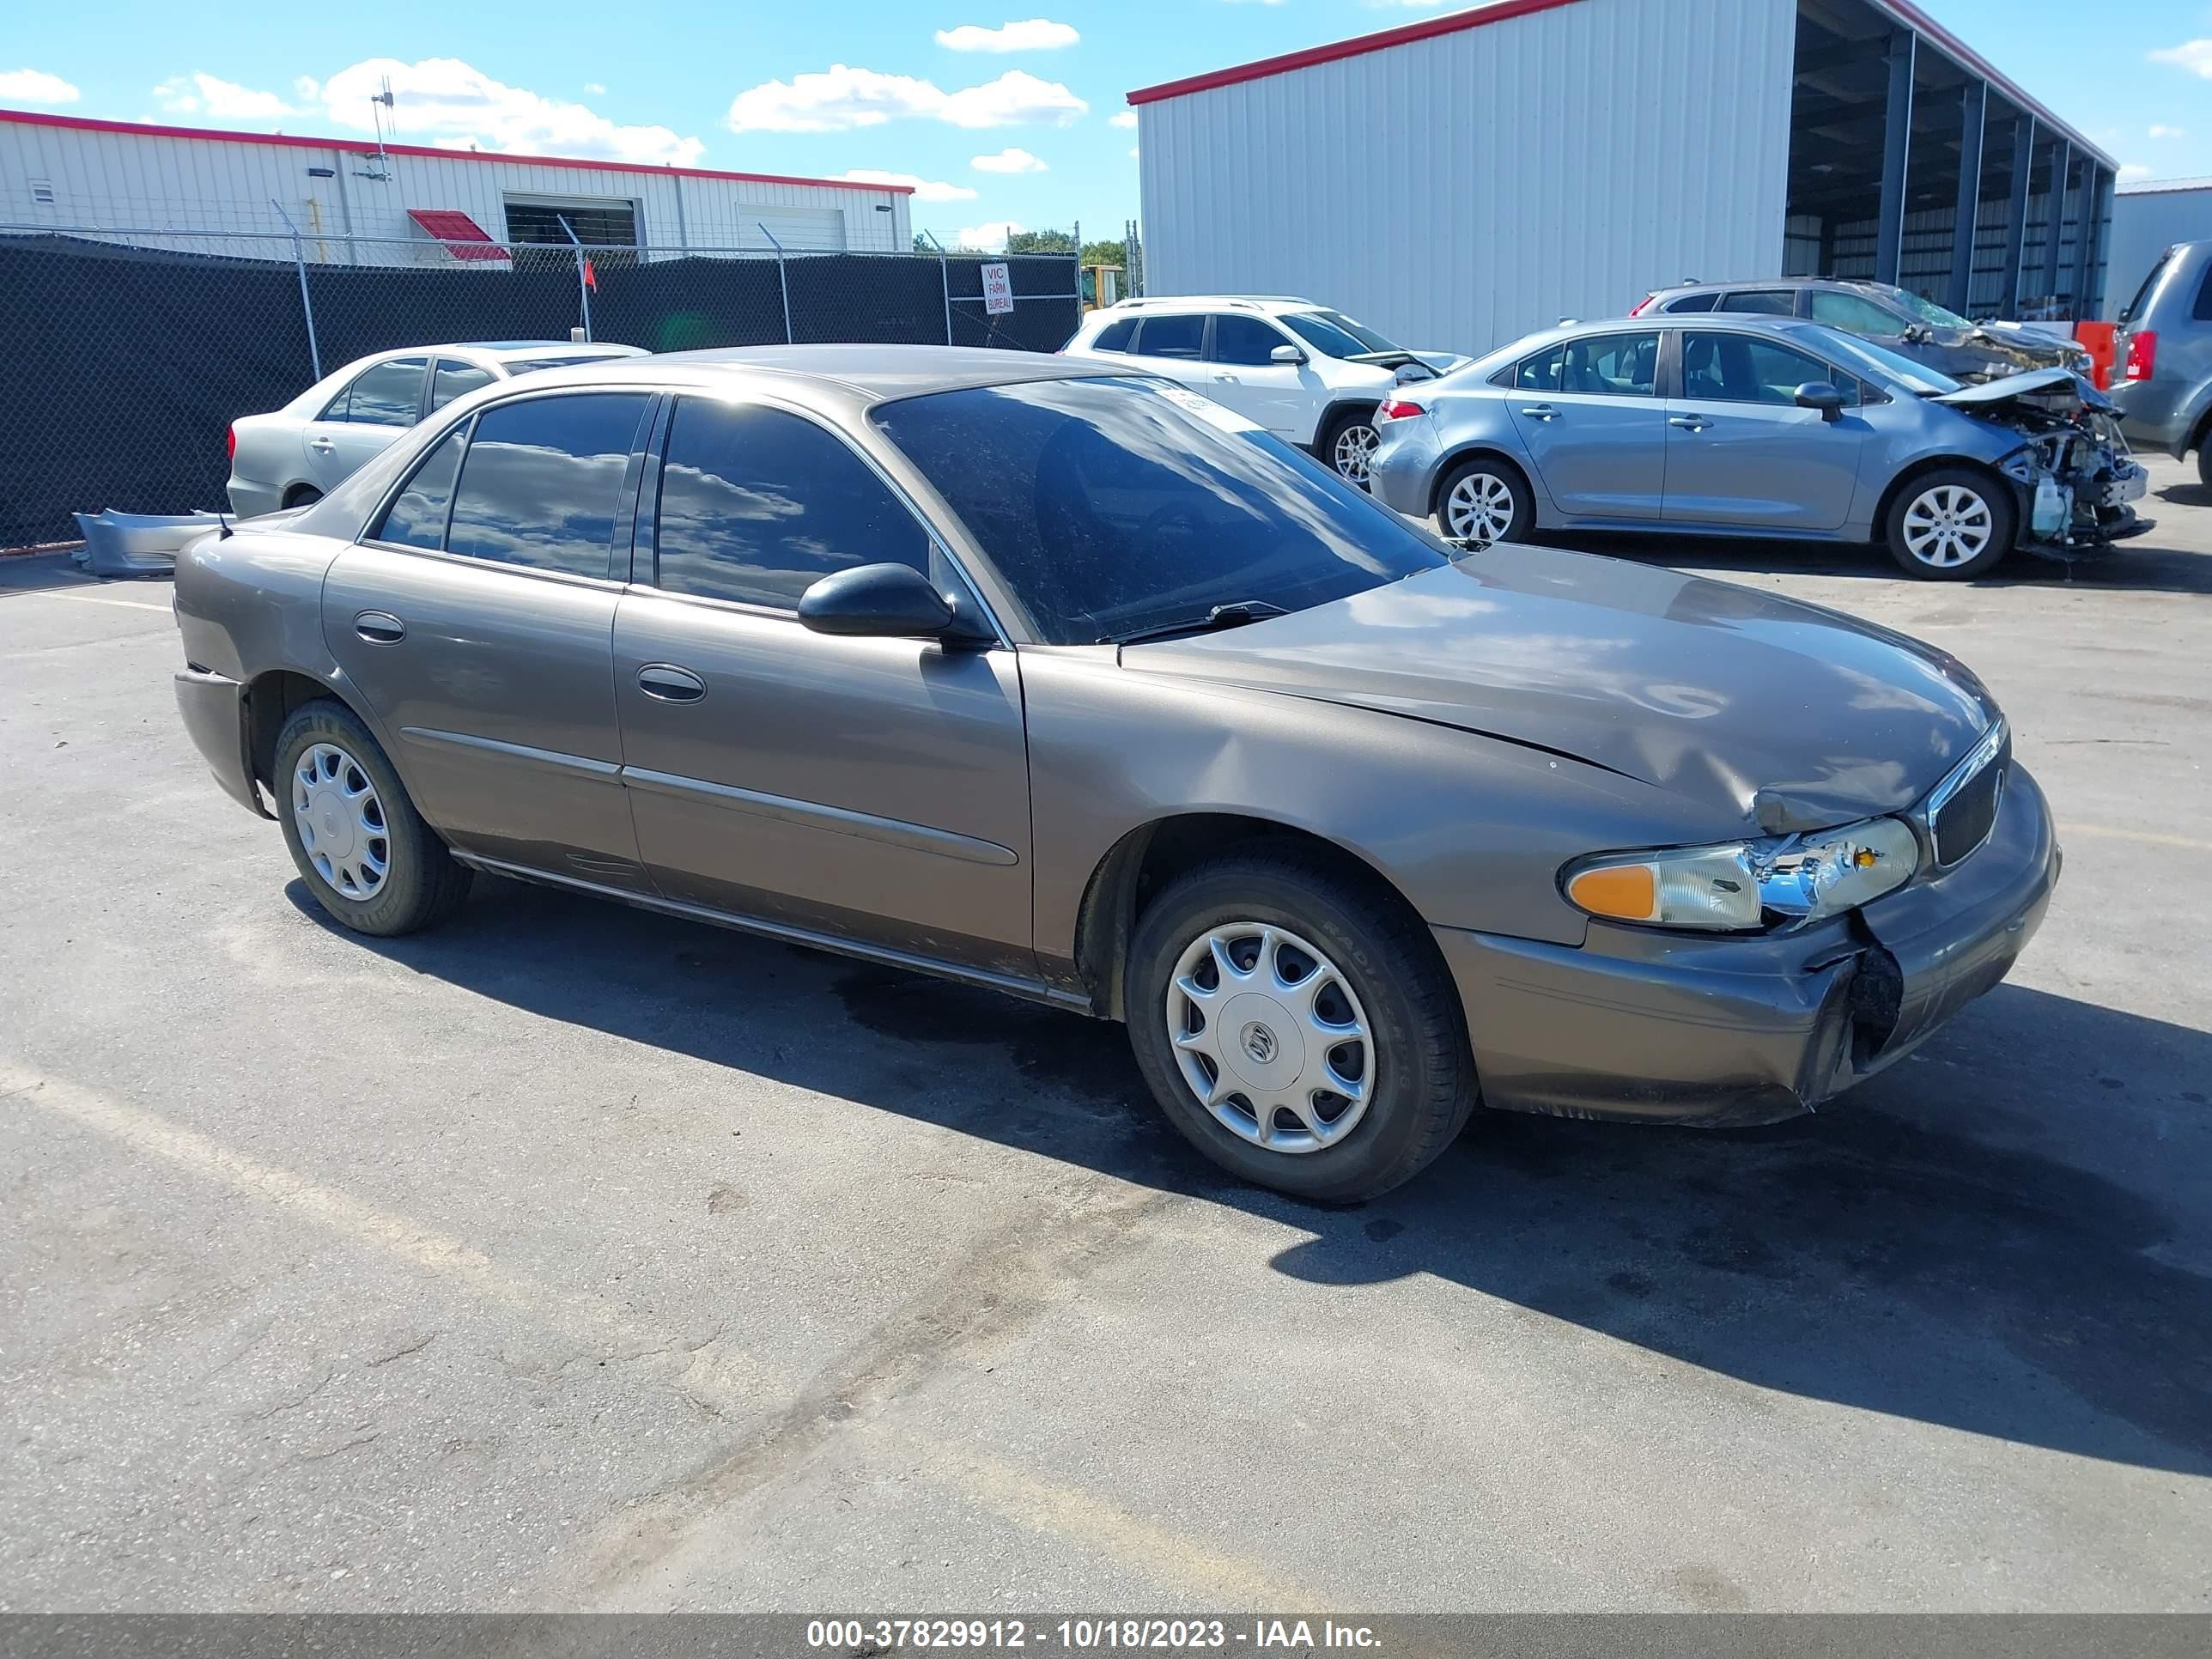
column 1776, row 715
column 2036, row 382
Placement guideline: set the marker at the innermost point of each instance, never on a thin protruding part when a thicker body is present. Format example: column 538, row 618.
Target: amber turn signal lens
column 1630, row 892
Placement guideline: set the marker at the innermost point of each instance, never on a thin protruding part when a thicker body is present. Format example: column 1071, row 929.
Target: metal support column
column 1896, row 150
column 307, row 305
column 2054, row 231
column 1973, row 115
column 2095, row 182
column 945, row 273
column 783, row 282
column 2023, row 174
column 583, row 273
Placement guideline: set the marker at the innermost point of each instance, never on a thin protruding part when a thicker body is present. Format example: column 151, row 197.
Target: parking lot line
column 1021, row 1497
column 91, row 599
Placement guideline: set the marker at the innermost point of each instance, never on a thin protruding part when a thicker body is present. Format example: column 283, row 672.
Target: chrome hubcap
column 340, row 821
column 1355, row 449
column 1948, row 526
column 1479, row 510
column 1270, row 1037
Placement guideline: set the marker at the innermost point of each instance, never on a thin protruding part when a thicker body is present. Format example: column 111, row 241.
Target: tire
column 1479, row 494
column 2204, row 462
column 354, row 792
column 1959, row 515
column 1347, row 444
column 302, row 496
column 1378, row 968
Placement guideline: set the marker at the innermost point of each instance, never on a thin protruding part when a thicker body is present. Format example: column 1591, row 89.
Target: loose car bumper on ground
column 214, row 711
column 1638, row 1023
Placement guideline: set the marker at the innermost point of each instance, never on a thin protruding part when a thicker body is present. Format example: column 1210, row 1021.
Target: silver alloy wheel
column 1948, row 526
column 340, row 821
column 1479, row 510
column 1355, row 448
column 1270, row 1037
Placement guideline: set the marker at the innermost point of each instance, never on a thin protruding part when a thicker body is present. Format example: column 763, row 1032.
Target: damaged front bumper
column 2082, row 515
column 1638, row 1023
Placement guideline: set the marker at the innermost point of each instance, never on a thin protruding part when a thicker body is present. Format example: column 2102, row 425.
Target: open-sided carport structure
column 1460, row 179
column 1913, row 161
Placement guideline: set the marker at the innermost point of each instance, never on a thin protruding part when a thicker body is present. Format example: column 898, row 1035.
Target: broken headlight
column 1786, row 880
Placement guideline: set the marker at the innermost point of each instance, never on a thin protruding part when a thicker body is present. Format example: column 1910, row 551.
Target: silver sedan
column 294, row 455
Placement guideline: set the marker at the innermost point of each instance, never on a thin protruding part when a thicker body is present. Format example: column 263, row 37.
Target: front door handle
column 379, row 628
column 1689, row 422
column 666, row 683
column 1229, row 379
column 1541, row 412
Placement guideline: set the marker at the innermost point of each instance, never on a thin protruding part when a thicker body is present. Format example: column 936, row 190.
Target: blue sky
column 1000, row 120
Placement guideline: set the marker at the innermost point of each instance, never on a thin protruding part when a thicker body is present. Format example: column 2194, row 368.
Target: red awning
column 465, row 238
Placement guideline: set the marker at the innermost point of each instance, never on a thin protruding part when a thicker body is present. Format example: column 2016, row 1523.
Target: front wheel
column 1349, row 445
column 1951, row 525
column 1297, row 1029
column 365, row 852
column 1485, row 500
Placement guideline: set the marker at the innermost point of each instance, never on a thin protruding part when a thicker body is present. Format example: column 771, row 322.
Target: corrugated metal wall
column 1924, row 264
column 148, row 181
column 2144, row 224
column 1460, row 190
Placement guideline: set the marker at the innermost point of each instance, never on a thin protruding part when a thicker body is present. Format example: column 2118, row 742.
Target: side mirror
column 1286, row 354
column 1818, row 394
column 878, row 601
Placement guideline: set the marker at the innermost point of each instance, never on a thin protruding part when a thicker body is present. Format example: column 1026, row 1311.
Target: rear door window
column 1539, row 372
column 2143, row 294
column 2203, row 309
column 1612, row 366
column 1170, row 337
column 384, row 394
column 542, row 480
column 417, row 517
column 1762, row 301
column 756, row 504
column 451, row 379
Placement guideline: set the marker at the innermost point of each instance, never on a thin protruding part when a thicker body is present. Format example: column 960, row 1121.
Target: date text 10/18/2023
column 876, row 1636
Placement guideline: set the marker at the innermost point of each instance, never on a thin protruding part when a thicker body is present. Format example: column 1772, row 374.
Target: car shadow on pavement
column 1924, row 1248
column 2142, row 567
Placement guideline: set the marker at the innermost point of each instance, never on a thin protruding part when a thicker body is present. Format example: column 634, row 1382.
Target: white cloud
column 201, row 93
column 307, row 89
column 841, row 98
column 990, row 239
column 2195, row 56
column 2159, row 129
column 924, row 190
column 2132, row 171
column 446, row 102
column 1126, row 118
column 1036, row 35
column 35, row 86
column 595, row 89
column 1008, row 160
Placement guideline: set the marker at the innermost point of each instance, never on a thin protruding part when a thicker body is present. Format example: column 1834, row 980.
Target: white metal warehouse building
column 405, row 204
column 2147, row 218
column 1462, row 180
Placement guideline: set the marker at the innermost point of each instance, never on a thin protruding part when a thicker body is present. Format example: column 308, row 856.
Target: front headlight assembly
column 1786, row 881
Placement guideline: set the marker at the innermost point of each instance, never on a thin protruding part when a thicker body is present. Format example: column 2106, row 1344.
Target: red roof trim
column 1428, row 28
column 365, row 147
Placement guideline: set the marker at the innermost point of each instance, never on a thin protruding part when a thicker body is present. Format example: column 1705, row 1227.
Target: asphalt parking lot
column 570, row 1257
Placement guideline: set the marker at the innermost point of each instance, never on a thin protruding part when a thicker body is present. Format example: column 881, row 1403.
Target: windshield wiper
column 1235, row 614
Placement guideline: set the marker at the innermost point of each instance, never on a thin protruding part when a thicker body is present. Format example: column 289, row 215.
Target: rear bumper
column 249, row 499
column 1645, row 1025
column 214, row 709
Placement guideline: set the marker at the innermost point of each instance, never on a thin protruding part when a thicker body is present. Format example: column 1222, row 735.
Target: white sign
column 998, row 290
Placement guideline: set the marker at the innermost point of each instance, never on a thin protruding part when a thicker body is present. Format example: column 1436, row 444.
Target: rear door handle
column 379, row 628
column 1231, row 379
column 1689, row 422
column 666, row 683
column 321, row 446
column 1541, row 412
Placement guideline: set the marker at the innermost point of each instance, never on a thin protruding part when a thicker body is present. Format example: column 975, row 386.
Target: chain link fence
column 131, row 353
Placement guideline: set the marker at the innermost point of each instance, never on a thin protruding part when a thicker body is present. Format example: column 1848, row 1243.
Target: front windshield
column 1927, row 311
column 1116, row 506
column 1336, row 335
column 1914, row 377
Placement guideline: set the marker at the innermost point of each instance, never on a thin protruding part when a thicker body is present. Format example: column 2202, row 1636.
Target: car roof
column 1268, row 304
column 870, row 372
column 1742, row 322
column 1862, row 284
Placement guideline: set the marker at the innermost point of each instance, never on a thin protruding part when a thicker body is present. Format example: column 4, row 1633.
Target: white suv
column 1309, row 376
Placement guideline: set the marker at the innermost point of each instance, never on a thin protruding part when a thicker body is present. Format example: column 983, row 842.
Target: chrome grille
column 1960, row 811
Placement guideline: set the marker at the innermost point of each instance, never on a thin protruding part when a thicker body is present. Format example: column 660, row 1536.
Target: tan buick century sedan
column 1068, row 682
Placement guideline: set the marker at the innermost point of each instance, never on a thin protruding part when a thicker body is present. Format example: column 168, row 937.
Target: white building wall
column 150, row 181
column 2146, row 221
column 1458, row 191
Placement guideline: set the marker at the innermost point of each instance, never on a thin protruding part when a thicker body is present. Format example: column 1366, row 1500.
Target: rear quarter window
column 1692, row 303
column 1115, row 336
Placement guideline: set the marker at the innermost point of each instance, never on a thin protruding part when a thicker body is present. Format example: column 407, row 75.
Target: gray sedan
column 1735, row 426
column 1079, row 686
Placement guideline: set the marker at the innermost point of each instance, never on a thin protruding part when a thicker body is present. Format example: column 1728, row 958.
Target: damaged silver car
column 1742, row 426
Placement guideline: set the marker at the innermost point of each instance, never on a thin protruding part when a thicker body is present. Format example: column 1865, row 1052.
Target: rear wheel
column 1951, row 525
column 365, row 852
column 2204, row 461
column 1297, row 1027
column 1349, row 444
column 1485, row 500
